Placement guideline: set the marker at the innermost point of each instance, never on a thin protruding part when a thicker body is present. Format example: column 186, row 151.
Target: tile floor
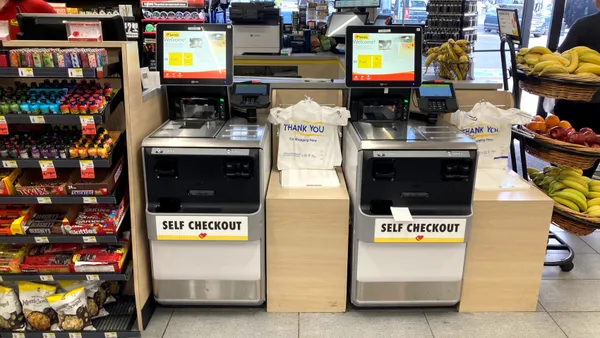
column 569, row 306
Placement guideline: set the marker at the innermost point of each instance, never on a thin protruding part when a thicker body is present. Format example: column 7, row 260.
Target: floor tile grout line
column 555, row 322
column 168, row 322
column 543, row 307
column 298, row 324
column 428, row 325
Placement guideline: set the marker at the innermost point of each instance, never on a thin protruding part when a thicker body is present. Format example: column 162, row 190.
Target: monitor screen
column 337, row 23
column 435, row 90
column 356, row 3
column 378, row 56
column 197, row 55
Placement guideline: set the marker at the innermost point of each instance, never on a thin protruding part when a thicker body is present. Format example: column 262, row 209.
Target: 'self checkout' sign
column 420, row 231
column 201, row 228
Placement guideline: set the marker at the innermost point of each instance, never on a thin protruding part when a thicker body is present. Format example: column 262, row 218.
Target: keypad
column 437, row 105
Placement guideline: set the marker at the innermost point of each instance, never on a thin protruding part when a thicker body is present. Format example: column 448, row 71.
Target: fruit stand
column 572, row 76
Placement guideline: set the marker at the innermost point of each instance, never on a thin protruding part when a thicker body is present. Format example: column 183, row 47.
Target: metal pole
column 558, row 12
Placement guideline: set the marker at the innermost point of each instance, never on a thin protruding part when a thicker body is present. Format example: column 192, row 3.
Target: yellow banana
column 595, row 188
column 541, row 65
column 558, row 69
column 556, row 57
column 575, row 170
column 590, row 58
column 575, row 198
column 594, row 182
column 556, row 186
column 592, row 208
column 573, row 176
column 573, row 61
column 587, row 52
column 522, row 51
column 595, row 212
column 575, row 192
column 433, row 50
column 588, row 68
column 593, row 202
column 566, row 203
column 459, row 51
column 463, row 59
column 550, row 169
column 532, row 59
column 576, row 185
column 539, row 49
column 580, row 48
column 451, row 53
column 464, row 43
column 584, row 74
column 428, row 61
column 593, row 194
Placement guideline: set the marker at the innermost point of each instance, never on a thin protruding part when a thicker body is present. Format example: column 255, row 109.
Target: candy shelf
column 75, row 73
column 118, row 324
column 172, row 21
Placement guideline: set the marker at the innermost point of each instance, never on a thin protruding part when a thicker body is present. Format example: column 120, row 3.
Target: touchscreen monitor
column 337, row 23
column 195, row 54
column 383, row 57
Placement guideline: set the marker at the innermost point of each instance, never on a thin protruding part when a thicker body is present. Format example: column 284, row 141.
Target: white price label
column 9, row 164
column 18, row 335
column 110, row 335
column 44, row 200
column 41, row 240
column 75, row 72
column 1, row 279
column 26, row 72
column 92, row 277
column 37, row 119
column 48, row 335
column 89, row 239
column 74, row 335
column 90, row 200
column 46, row 278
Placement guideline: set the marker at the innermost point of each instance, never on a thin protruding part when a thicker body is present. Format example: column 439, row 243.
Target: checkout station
column 405, row 227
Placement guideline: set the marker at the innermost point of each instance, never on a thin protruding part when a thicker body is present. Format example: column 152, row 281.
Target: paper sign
column 26, row 72
column 9, row 164
column 75, row 72
column 87, row 169
column 46, row 278
column 110, row 335
column 90, row 200
column 202, row 228
column 420, row 230
column 74, row 335
column 3, row 126
column 44, row 200
column 18, row 335
column 48, row 335
column 88, row 127
column 48, row 170
column 401, row 214
column 40, row 240
column 92, row 277
column 89, row 239
column 37, row 119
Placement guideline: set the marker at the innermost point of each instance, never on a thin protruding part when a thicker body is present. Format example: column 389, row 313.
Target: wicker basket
column 452, row 70
column 581, row 89
column 571, row 226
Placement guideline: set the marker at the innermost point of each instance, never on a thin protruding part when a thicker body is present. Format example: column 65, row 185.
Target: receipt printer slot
column 383, row 170
column 166, row 167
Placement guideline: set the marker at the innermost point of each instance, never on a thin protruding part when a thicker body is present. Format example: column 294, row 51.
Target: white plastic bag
column 490, row 127
column 308, row 135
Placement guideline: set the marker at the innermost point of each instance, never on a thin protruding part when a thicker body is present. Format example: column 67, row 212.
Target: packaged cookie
column 96, row 295
column 11, row 316
column 72, row 310
column 38, row 312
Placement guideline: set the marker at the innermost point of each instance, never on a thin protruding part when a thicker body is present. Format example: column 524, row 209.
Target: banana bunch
column 581, row 61
column 452, row 59
column 568, row 186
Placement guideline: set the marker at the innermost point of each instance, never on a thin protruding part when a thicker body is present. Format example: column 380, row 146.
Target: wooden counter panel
column 307, row 248
column 505, row 254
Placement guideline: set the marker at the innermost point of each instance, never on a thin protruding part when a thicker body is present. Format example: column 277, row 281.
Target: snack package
column 97, row 258
column 11, row 257
column 11, row 316
column 96, row 295
column 72, row 310
column 38, row 312
column 48, row 258
column 490, row 127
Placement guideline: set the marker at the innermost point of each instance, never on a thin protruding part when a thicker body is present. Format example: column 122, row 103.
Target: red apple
column 583, row 130
column 595, row 145
column 570, row 130
column 590, row 136
column 597, row 138
column 577, row 138
column 558, row 133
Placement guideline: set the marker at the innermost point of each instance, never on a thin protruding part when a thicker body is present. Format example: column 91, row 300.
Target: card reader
column 250, row 96
column 435, row 98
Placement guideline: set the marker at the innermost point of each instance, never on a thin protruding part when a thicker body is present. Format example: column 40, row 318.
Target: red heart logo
column 202, row 235
column 420, row 237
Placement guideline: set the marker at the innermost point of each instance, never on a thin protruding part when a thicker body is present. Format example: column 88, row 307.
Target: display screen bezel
column 449, row 85
column 417, row 31
column 174, row 27
column 341, row 4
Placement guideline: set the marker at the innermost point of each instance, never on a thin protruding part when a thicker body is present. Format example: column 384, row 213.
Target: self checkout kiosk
column 206, row 173
column 410, row 178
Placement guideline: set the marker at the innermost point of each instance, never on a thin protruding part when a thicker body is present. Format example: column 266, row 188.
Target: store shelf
column 76, row 73
column 118, row 324
column 172, row 21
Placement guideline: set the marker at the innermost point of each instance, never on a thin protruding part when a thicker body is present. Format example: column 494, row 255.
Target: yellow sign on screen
column 188, row 59
column 376, row 61
column 172, row 34
column 175, row 59
column 364, row 61
column 361, row 36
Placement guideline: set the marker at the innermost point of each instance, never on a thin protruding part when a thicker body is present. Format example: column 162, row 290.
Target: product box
column 9, row 179
column 12, row 219
column 97, row 258
column 11, row 257
column 103, row 184
column 96, row 219
column 48, row 219
column 48, row 258
column 31, row 183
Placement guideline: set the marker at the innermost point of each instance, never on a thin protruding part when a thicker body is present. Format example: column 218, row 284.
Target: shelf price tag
column 75, row 72
column 74, row 335
column 89, row 239
column 46, row 278
column 18, row 335
column 37, row 119
column 44, row 200
column 48, row 170
column 88, row 127
column 3, row 126
column 92, row 277
column 110, row 335
column 9, row 164
column 41, row 240
column 90, row 200
column 26, row 72
column 87, row 169
column 48, row 335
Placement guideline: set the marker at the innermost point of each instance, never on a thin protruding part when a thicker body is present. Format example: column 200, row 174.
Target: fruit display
column 556, row 129
column 580, row 61
column 568, row 187
column 454, row 63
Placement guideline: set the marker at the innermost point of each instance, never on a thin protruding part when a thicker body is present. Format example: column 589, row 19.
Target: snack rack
column 127, row 108
column 450, row 19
